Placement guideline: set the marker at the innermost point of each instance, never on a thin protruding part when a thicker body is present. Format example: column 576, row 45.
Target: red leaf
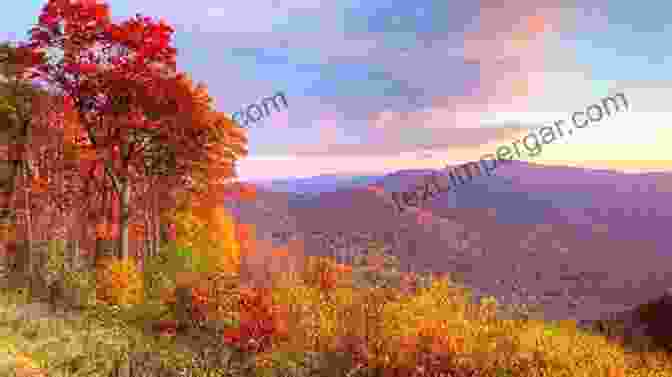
column 101, row 11
column 164, row 325
column 149, row 43
column 231, row 335
column 12, row 248
column 87, row 68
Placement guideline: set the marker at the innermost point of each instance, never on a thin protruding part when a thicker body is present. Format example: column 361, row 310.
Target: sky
column 380, row 86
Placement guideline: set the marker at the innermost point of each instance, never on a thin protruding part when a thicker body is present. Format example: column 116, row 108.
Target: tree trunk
column 148, row 237
column 55, row 293
column 163, row 230
column 183, row 306
column 154, row 239
column 124, row 199
column 9, row 166
column 32, row 275
column 100, row 244
column 156, row 221
column 27, row 169
column 7, row 216
column 76, row 296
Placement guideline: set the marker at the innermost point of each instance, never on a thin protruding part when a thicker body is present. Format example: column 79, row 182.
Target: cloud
column 415, row 86
column 507, row 48
column 440, row 139
column 217, row 12
column 329, row 130
column 252, row 16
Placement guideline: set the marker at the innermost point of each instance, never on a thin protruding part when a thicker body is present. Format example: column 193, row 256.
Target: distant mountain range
column 632, row 206
column 523, row 226
column 318, row 184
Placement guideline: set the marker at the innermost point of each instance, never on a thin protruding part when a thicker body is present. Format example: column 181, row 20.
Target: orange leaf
column 39, row 184
column 248, row 192
column 186, row 279
column 104, row 231
column 280, row 252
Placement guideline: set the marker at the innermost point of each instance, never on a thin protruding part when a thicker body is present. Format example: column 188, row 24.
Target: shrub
column 26, row 367
column 159, row 272
column 58, row 271
column 656, row 314
column 209, row 233
column 325, row 273
column 262, row 323
column 264, row 265
column 204, row 296
column 119, row 282
column 377, row 268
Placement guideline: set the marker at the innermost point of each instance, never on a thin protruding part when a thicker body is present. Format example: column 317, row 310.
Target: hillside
column 568, row 242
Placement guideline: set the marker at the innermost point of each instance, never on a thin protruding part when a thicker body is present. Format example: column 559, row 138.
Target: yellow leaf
column 211, row 233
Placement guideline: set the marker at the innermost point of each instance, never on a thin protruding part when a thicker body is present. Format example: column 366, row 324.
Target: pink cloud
column 328, row 127
column 508, row 45
column 279, row 119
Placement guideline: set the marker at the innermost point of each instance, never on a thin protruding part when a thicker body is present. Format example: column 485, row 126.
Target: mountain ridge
column 582, row 242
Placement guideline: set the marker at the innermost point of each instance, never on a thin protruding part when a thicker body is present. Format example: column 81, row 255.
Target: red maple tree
column 133, row 123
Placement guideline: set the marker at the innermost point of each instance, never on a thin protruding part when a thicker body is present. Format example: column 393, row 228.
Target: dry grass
column 86, row 344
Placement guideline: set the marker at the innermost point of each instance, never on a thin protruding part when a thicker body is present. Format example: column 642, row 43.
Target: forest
column 115, row 168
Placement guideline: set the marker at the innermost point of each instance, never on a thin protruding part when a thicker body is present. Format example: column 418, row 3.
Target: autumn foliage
column 131, row 125
column 325, row 273
column 209, row 232
column 125, row 144
column 119, row 282
column 26, row 367
column 261, row 323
